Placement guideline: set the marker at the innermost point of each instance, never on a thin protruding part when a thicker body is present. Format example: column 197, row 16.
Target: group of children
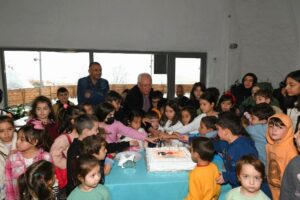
column 67, row 150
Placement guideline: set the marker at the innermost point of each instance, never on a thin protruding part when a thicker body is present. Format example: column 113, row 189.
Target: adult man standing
column 92, row 89
column 139, row 97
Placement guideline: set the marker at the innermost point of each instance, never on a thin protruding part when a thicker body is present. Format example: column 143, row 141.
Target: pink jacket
column 15, row 166
column 116, row 128
column 60, row 148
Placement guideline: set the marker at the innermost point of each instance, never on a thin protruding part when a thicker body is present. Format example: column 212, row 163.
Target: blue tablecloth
column 138, row 184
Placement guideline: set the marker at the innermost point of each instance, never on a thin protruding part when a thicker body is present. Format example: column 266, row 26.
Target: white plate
column 137, row 155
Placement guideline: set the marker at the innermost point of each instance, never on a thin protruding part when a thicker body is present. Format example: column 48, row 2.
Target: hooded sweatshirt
column 279, row 154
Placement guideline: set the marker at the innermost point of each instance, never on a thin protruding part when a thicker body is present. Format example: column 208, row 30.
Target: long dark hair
column 103, row 110
column 197, row 84
column 34, row 183
column 32, row 134
column 296, row 99
column 65, row 117
column 172, row 104
column 42, row 99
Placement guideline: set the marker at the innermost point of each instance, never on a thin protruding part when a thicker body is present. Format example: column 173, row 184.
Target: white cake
column 168, row 159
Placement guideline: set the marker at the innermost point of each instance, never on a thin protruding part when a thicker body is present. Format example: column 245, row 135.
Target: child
column 250, row 172
column 87, row 174
column 95, row 145
column 37, row 181
column 258, row 128
column 62, row 102
column 62, row 143
column 202, row 179
column 85, row 125
column 197, row 90
column 232, row 146
column 172, row 123
column 115, row 99
column 208, row 127
column 265, row 96
column 30, row 149
column 135, row 122
column 87, row 108
column 208, row 102
column 105, row 113
column 290, row 184
column 42, row 110
column 279, row 150
column 8, row 140
column 187, row 115
column 152, row 120
column 226, row 103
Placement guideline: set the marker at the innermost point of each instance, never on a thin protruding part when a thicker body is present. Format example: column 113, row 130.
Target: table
column 138, row 184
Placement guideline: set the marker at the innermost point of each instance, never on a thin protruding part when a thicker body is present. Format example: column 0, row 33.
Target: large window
column 63, row 68
column 29, row 69
column 124, row 68
column 32, row 73
column 22, row 70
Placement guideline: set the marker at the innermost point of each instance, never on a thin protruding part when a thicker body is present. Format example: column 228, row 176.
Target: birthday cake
column 169, row 159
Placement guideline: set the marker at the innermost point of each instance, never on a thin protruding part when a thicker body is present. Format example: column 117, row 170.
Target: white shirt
column 193, row 126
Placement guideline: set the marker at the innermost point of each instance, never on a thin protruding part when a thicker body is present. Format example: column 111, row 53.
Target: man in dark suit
column 139, row 97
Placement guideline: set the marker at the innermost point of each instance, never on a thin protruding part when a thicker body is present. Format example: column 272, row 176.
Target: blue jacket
column 98, row 91
column 231, row 153
column 258, row 134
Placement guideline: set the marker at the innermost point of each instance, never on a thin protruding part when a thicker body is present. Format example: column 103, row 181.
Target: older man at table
column 139, row 97
column 92, row 89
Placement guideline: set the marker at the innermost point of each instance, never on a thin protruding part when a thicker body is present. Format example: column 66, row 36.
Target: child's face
column 206, row 106
column 22, row 144
column 297, row 140
column 94, row 131
column 154, row 123
column 155, row 103
column 116, row 104
column 277, row 132
column 63, row 97
column 292, row 87
column 185, row 117
column 101, row 154
column 6, row 132
column 248, row 82
column 203, row 129
column 222, row 133
column 226, row 105
column 250, row 180
column 42, row 111
column 91, row 180
column 136, row 123
column 88, row 109
column 169, row 112
column 198, row 92
column 254, row 90
column 261, row 99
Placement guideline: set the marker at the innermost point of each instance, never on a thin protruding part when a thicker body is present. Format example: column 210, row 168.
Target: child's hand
column 107, row 169
column 134, row 143
column 220, row 180
column 154, row 132
column 152, row 139
column 184, row 138
column 145, row 121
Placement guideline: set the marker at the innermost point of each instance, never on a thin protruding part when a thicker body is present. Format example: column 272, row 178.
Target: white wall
column 267, row 31
column 269, row 37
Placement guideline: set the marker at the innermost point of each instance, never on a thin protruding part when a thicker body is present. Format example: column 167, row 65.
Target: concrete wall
column 267, row 31
column 269, row 37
